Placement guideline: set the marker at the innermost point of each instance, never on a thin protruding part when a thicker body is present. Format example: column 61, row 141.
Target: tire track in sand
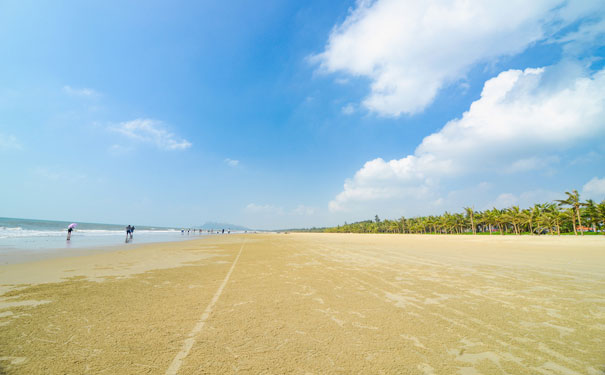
column 190, row 340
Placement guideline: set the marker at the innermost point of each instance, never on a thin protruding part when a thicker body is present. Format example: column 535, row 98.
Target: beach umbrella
column 72, row 226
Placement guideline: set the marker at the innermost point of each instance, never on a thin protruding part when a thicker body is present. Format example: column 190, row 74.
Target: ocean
column 44, row 236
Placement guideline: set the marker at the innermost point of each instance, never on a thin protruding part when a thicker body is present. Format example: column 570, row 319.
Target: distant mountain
column 213, row 225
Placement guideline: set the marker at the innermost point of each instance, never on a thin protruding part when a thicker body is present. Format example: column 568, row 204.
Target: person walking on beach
column 131, row 231
column 128, row 229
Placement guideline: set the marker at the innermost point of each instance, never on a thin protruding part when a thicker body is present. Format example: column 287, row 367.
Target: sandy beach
column 312, row 303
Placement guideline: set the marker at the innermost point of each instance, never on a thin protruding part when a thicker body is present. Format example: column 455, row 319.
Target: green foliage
column 545, row 218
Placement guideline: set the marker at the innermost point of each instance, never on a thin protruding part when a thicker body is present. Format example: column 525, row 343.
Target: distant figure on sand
column 128, row 231
column 131, row 231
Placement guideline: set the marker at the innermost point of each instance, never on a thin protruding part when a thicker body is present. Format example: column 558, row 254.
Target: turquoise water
column 48, row 235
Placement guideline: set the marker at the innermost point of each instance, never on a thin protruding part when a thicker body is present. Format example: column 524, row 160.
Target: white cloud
column 84, row 92
column 594, row 189
column 153, row 132
column 521, row 122
column 9, row 142
column 411, row 49
column 231, row 162
column 348, row 109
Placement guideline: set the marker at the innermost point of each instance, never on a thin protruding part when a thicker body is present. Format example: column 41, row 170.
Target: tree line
column 570, row 215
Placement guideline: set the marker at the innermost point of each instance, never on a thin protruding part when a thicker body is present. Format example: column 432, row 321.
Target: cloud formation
column 411, row 49
column 231, row 162
column 522, row 121
column 348, row 109
column 84, row 92
column 152, row 132
column 9, row 142
column 594, row 189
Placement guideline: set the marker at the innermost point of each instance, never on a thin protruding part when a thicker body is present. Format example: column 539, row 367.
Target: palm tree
column 402, row 225
column 573, row 200
column 592, row 214
column 459, row 220
column 470, row 214
column 514, row 215
column 601, row 212
column 450, row 223
column 570, row 214
column 532, row 215
column 556, row 215
column 490, row 217
column 500, row 219
column 392, row 226
column 540, row 218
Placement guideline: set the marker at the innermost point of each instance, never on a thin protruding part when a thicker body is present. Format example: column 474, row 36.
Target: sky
column 285, row 114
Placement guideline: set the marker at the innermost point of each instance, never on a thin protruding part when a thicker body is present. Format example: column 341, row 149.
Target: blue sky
column 291, row 114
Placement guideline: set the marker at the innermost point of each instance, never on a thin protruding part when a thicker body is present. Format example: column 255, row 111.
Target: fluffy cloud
column 153, row 132
column 411, row 49
column 521, row 122
column 232, row 163
column 594, row 189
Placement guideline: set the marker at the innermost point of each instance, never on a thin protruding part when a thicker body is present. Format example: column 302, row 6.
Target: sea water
column 39, row 236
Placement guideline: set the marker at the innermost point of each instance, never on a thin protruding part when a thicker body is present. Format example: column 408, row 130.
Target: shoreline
column 98, row 263
column 18, row 255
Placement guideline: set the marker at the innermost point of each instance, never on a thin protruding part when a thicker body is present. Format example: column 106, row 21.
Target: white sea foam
column 37, row 236
column 18, row 232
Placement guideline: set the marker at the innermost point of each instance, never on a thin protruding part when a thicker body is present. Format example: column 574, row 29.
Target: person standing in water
column 131, row 231
column 127, row 232
column 69, row 233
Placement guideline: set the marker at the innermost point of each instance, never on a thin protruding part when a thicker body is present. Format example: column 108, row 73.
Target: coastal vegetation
column 565, row 216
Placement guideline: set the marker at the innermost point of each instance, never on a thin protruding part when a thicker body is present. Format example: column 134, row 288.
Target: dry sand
column 312, row 303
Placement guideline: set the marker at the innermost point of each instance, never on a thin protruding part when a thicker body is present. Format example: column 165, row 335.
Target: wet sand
column 312, row 303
